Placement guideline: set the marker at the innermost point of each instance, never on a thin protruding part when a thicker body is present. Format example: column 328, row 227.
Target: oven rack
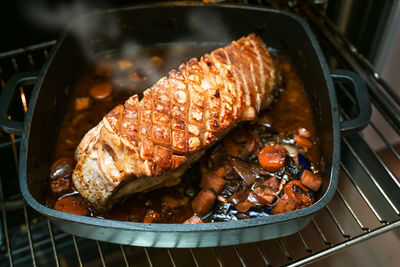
column 366, row 204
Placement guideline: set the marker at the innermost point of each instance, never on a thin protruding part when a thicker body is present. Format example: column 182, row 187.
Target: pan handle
column 362, row 98
column 20, row 79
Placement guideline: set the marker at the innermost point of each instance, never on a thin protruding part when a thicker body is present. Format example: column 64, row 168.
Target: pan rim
column 162, row 227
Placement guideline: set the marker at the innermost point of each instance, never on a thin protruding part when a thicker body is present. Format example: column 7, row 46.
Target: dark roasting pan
column 187, row 25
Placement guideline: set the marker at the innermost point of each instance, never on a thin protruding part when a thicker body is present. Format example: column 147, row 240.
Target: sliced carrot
column 302, row 198
column 272, row 157
column 72, row 204
column 311, row 180
column 302, row 141
column 244, row 206
column 101, row 90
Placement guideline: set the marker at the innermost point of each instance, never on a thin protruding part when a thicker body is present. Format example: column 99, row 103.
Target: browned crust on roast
column 177, row 117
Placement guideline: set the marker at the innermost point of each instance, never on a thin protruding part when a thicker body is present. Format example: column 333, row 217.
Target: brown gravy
column 290, row 111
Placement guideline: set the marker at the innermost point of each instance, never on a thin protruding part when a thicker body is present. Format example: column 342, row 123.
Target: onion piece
column 243, row 171
column 292, row 151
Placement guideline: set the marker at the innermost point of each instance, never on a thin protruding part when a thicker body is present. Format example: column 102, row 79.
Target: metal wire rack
column 366, row 203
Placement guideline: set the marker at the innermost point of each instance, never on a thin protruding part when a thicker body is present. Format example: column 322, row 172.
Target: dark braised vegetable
column 311, row 180
column 267, row 166
column 243, row 171
column 62, row 168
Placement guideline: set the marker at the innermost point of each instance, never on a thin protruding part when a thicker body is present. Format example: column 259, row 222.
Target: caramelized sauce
column 289, row 112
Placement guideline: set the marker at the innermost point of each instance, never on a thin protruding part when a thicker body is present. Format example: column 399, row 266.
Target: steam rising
column 204, row 25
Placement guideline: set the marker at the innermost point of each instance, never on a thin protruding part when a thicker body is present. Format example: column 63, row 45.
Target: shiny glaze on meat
column 291, row 110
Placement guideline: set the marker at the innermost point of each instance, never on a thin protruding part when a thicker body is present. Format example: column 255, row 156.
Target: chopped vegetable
column 284, row 204
column 61, row 186
column 212, row 181
column 296, row 191
column 303, row 132
column 272, row 157
column 250, row 141
column 220, row 171
column 302, row 141
column 311, row 180
column 244, row 206
column 124, row 64
column 230, row 146
column 82, row 103
column 243, row 171
column 238, row 197
column 100, row 90
column 72, row 204
column 62, row 168
column 203, row 202
column 262, row 196
column 272, row 183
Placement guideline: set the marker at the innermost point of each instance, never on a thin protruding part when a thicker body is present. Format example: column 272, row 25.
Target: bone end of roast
column 146, row 144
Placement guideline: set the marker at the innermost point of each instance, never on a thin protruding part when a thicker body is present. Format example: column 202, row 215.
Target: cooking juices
column 262, row 167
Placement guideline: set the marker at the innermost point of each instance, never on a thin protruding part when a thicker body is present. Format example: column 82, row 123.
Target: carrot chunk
column 296, row 191
column 244, row 206
column 272, row 157
column 203, row 202
column 272, row 183
column 285, row 204
column 263, row 197
column 311, row 180
column 101, row 90
column 212, row 181
column 72, row 204
column 302, row 141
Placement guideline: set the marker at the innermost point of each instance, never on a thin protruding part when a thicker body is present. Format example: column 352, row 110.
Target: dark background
column 18, row 29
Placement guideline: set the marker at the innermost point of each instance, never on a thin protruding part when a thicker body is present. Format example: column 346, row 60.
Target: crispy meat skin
column 148, row 144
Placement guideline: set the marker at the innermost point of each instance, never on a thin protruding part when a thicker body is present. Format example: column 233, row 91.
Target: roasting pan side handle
column 361, row 120
column 21, row 79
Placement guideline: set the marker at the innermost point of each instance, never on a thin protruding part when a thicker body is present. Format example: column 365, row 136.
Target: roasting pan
column 169, row 24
